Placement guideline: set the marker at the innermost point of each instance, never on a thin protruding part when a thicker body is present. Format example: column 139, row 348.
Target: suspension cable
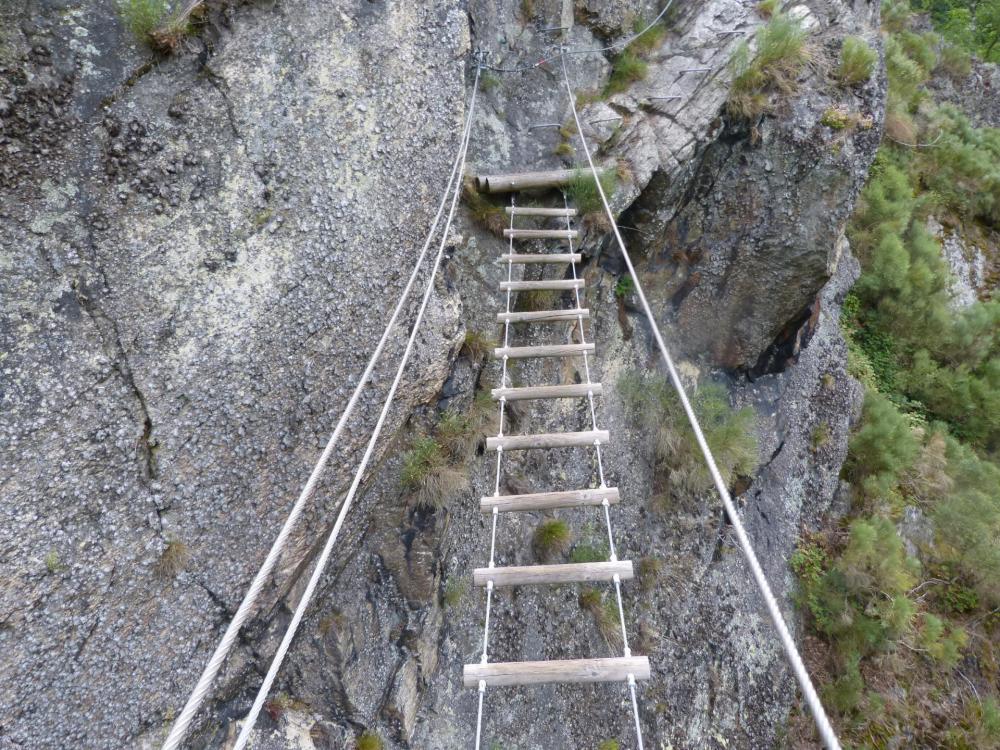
column 204, row 684
column 791, row 651
column 324, row 556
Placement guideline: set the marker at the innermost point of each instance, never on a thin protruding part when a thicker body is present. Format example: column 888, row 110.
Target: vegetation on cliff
column 904, row 594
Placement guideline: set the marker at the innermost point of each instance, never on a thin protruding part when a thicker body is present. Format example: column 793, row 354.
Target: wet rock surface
column 199, row 254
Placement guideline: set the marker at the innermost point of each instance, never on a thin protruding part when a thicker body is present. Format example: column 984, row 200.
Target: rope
column 203, row 686
column 279, row 656
column 496, row 487
column 805, row 683
column 613, row 556
column 581, row 50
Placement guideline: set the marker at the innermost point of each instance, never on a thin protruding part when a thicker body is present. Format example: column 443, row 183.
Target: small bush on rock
column 551, row 538
column 857, row 61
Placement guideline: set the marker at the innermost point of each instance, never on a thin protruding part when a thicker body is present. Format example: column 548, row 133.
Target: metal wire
column 791, row 651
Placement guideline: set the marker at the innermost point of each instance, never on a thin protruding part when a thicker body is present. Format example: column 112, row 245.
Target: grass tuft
column 857, row 61
column 768, row 8
column 609, row 745
column 781, row 54
column 453, row 592
column 428, row 475
column 624, row 286
column 477, row 345
column 650, row 40
column 626, row 69
column 173, row 560
column 605, row 614
column 369, row 741
column 582, row 189
column 483, row 211
column 586, row 552
column 551, row 538
column 564, row 149
column 141, row 17
column 649, row 570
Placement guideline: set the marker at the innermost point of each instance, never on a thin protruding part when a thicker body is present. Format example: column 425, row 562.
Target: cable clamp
column 614, row 558
column 631, row 680
column 496, row 510
column 605, row 503
column 616, row 578
column 627, row 652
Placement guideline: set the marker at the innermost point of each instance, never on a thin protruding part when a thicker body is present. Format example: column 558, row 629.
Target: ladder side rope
column 798, row 667
column 279, row 656
column 496, row 486
column 203, row 686
column 613, row 556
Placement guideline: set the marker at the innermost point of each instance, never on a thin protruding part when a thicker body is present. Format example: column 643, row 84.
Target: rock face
column 199, row 254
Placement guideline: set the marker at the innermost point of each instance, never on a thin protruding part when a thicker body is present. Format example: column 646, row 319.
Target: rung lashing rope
column 791, row 651
column 201, row 690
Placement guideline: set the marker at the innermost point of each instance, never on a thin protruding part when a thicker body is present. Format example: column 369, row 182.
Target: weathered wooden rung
column 507, row 183
column 541, row 286
column 548, row 350
column 524, row 259
column 530, row 575
column 547, row 440
column 615, row 669
column 541, row 234
column 544, row 316
column 536, row 211
column 548, row 500
column 571, row 390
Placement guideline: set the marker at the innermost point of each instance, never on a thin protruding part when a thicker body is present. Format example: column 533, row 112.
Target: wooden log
column 549, row 350
column 535, row 211
column 526, row 258
column 616, row 669
column 548, row 500
column 545, row 285
column 571, row 390
column 547, row 440
column 531, row 575
column 507, row 183
column 541, row 234
column 544, row 316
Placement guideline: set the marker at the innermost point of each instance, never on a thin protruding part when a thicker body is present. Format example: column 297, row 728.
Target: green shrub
column 551, row 538
column 626, row 69
column 857, row 61
column 884, row 444
column 944, row 644
column 781, row 54
column 955, row 61
column 624, row 286
column 369, row 741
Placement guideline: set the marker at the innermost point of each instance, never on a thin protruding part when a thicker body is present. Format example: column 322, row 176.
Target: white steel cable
column 791, row 651
column 613, row 555
column 324, row 556
column 203, row 686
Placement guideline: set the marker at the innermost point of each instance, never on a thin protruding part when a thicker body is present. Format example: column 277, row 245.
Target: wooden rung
column 544, row 316
column 549, row 350
column 529, row 575
column 572, row 390
column 535, row 211
column 542, row 258
column 548, row 500
column 541, row 286
column 547, row 440
column 616, row 669
column 541, row 234
column 506, row 183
